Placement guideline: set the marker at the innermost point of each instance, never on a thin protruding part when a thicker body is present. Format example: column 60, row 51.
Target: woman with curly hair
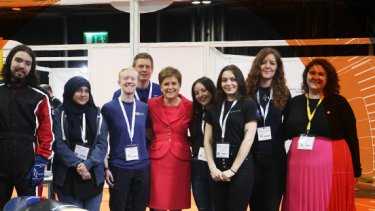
column 324, row 155
column 266, row 85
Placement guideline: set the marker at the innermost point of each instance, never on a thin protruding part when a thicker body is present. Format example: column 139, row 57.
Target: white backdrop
column 194, row 60
column 106, row 61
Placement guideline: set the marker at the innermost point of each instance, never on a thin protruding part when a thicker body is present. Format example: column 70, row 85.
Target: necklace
column 265, row 97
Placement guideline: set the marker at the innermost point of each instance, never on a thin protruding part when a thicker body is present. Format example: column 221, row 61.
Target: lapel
column 180, row 113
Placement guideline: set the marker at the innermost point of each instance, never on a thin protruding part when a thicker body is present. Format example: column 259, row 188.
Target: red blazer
column 170, row 136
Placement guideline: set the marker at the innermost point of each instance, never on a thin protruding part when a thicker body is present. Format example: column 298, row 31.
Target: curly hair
column 31, row 79
column 281, row 92
column 332, row 86
column 241, row 92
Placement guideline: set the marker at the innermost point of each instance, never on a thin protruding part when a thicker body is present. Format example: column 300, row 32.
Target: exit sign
column 95, row 37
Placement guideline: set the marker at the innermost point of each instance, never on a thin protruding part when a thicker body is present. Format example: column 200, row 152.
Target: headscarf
column 74, row 111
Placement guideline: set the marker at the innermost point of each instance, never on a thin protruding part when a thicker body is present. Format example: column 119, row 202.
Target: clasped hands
column 83, row 172
column 221, row 176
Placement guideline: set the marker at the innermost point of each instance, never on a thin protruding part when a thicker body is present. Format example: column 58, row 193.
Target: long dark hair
column 31, row 79
column 280, row 90
column 197, row 107
column 241, row 92
column 332, row 86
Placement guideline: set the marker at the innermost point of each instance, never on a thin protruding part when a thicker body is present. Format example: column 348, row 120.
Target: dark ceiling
column 222, row 20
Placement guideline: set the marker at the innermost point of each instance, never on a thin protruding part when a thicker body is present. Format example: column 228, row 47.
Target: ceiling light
column 206, row 2
column 196, row 2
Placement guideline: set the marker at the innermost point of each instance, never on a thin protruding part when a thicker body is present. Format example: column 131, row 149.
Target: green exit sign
column 95, row 37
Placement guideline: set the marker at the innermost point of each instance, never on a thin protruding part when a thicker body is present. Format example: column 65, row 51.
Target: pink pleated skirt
column 321, row 179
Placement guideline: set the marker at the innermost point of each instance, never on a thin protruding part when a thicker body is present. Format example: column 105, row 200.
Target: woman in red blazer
column 170, row 154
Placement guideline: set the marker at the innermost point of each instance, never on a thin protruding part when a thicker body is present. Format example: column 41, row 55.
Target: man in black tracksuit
column 25, row 126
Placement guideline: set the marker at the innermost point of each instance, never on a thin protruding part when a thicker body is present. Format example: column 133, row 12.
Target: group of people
column 152, row 145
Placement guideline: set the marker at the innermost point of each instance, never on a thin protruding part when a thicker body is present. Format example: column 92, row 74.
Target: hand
column 227, row 175
column 36, row 173
column 81, row 169
column 109, row 178
column 86, row 176
column 217, row 175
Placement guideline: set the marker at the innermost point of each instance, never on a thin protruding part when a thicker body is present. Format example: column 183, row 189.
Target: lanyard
column 149, row 94
column 128, row 127
column 223, row 123
column 83, row 128
column 263, row 112
column 310, row 115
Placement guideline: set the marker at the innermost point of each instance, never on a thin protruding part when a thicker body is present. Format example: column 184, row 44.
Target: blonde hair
column 126, row 69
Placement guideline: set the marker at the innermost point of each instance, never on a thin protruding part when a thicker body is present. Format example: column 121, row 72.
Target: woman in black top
column 266, row 84
column 323, row 159
column 203, row 93
column 229, row 133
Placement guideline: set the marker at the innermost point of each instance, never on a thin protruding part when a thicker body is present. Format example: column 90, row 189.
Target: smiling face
column 128, row 81
column 268, row 67
column 144, row 69
column 316, row 78
column 170, row 87
column 20, row 66
column 202, row 95
column 229, row 84
column 81, row 96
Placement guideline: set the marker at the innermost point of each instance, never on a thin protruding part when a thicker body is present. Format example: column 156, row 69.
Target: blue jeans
column 92, row 204
column 200, row 177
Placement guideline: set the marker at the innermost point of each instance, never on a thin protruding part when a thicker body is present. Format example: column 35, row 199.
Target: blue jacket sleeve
column 62, row 151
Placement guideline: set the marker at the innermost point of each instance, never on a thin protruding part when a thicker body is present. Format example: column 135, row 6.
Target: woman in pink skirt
column 323, row 159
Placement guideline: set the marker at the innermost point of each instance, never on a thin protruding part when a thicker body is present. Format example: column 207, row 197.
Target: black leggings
column 234, row 195
column 270, row 178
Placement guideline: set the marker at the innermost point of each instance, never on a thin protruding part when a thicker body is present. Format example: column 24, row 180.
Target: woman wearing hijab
column 80, row 146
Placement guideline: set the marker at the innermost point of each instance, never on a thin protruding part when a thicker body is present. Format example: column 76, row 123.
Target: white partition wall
column 194, row 60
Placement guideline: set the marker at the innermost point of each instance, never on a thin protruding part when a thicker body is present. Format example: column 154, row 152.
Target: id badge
column 222, row 150
column 202, row 154
column 264, row 133
column 81, row 151
column 306, row 142
column 131, row 153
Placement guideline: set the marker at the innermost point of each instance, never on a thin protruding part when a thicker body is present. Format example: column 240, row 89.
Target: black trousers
column 136, row 182
column 270, row 179
column 16, row 160
column 234, row 195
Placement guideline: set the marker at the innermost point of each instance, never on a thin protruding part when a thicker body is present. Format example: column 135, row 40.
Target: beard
column 17, row 78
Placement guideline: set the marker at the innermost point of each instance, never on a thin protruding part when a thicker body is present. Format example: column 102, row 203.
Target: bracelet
column 105, row 169
column 235, row 172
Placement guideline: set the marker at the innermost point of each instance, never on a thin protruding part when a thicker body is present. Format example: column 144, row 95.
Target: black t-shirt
column 241, row 113
column 274, row 121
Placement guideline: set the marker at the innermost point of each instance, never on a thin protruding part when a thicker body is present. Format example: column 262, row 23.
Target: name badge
column 131, row 153
column 264, row 133
column 222, row 150
column 306, row 142
column 202, row 154
column 81, row 151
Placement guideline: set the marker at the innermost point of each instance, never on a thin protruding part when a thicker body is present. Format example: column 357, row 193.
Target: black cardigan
column 341, row 121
